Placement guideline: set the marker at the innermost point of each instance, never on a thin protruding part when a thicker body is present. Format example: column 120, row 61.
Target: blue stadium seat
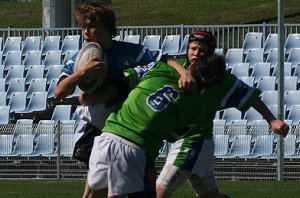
column 17, row 101
column 292, row 41
column 70, row 42
column 61, row 112
column 50, row 43
column 36, row 104
column 45, row 145
column 12, row 58
column 263, row 147
column 233, row 56
column 53, row 72
column 6, row 145
column 251, row 114
column 3, row 98
column 259, row 127
column 221, row 144
column 132, row 38
column 241, row 69
column 287, row 69
column 271, row 43
column 24, row 145
column 170, row 44
column 152, row 42
column 291, row 98
column 4, row 114
column 249, row 80
column 269, row 97
column 32, row 58
column 240, row 147
column 252, row 40
column 236, row 127
column 36, row 85
column 15, row 85
column 254, row 55
column 14, row 71
column 68, row 55
column 294, row 57
column 34, row 71
column 231, row 114
column 12, row 44
column 31, row 43
column 266, row 83
column 52, row 57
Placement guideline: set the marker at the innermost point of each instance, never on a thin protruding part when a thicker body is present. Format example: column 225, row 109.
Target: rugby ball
column 88, row 51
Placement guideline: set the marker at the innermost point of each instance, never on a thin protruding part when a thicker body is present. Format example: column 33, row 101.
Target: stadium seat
column 24, row 145
column 132, row 38
column 274, row 109
column 240, row 147
column 51, row 88
column 270, row 43
column 291, row 98
column 3, row 99
column 152, row 42
column 45, row 127
column 36, row 104
column 164, row 150
column 53, row 72
column 219, row 126
column 221, row 144
column 61, row 112
column 4, row 114
column 31, row 43
column 249, row 80
column 269, row 97
column 70, row 42
column 231, row 114
column 36, row 85
column 50, row 43
column 12, row 44
column 236, row 127
column 66, row 143
column 6, row 144
column 251, row 114
column 23, row 127
column 290, row 83
column 254, row 55
column 259, row 127
column 1, row 52
column 45, row 145
column 252, row 40
column 1, row 44
column 233, row 56
column 272, row 57
column 18, row 101
column 34, row 71
column 289, row 149
column 67, row 127
column 294, row 57
column 266, row 83
column 117, row 38
column 241, row 69
column 287, row 69
column 219, row 51
column 292, row 41
column 12, row 58
column 15, row 85
column 14, row 71
column 170, row 44
column 294, row 114
column 52, row 57
column 263, row 147
column 183, row 47
column 32, row 58
column 2, row 85
column 68, row 55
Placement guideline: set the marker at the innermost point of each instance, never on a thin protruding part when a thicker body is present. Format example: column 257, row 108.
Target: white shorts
column 95, row 115
column 116, row 164
column 195, row 164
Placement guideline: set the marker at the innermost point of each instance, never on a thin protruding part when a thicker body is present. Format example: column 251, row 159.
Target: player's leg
column 127, row 166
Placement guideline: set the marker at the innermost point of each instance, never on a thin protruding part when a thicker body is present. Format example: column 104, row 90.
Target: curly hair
column 97, row 12
column 209, row 71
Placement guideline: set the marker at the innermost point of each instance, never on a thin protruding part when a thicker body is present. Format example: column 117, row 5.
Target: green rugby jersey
column 154, row 108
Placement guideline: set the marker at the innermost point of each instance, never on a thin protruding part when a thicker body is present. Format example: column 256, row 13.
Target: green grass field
column 165, row 12
column 71, row 188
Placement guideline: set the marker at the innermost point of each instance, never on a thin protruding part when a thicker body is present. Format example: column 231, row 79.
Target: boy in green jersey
column 156, row 109
column 191, row 158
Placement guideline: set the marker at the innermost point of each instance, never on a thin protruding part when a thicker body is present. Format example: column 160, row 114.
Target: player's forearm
column 263, row 110
column 179, row 68
column 67, row 85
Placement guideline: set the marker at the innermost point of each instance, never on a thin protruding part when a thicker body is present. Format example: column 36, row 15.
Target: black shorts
column 83, row 147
